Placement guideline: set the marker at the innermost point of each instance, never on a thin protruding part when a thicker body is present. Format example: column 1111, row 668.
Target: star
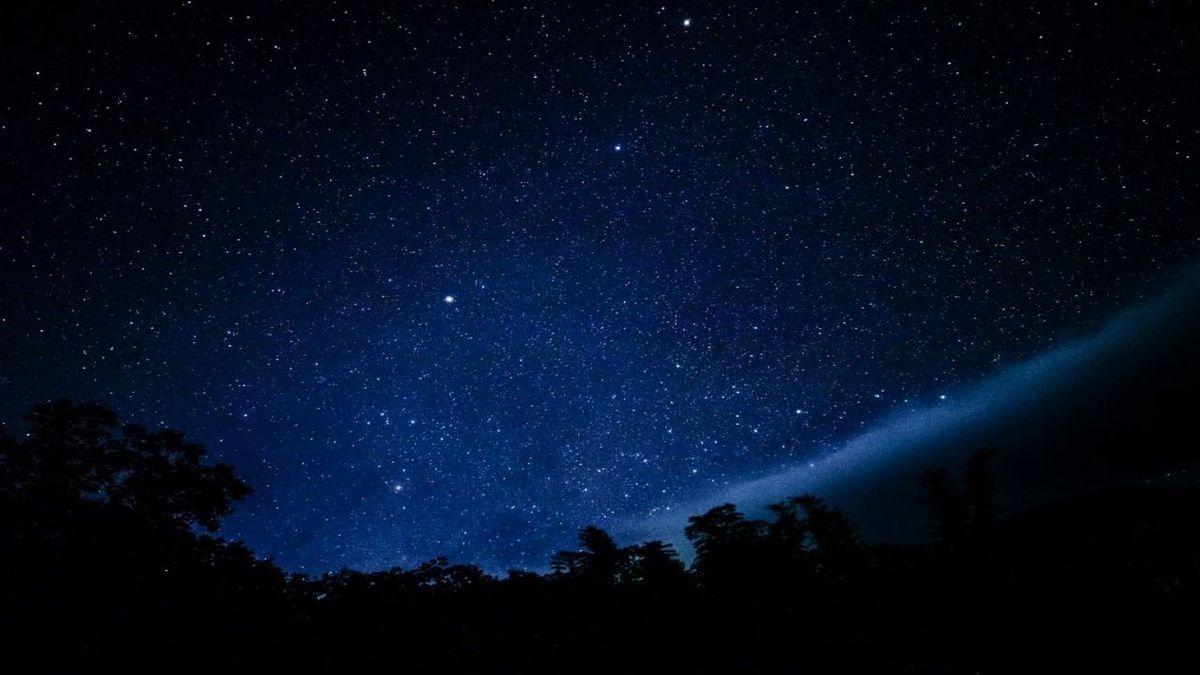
column 449, row 299
column 687, row 22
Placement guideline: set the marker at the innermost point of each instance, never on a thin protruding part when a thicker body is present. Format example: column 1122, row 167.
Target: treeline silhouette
column 109, row 565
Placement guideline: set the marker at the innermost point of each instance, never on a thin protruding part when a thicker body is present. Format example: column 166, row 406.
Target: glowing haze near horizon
column 440, row 280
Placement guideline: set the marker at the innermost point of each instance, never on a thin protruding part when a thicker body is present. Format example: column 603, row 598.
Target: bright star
column 617, row 147
column 687, row 22
column 448, row 299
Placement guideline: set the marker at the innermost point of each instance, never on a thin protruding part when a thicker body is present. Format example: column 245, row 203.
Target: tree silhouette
column 962, row 518
column 655, row 564
column 979, row 493
column 74, row 451
column 728, row 546
column 815, row 537
column 600, row 562
column 104, row 547
column 948, row 513
column 438, row 574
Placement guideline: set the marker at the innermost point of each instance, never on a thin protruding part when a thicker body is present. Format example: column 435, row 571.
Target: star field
column 447, row 278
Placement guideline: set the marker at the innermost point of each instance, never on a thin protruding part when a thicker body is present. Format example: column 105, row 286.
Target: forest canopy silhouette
column 110, row 564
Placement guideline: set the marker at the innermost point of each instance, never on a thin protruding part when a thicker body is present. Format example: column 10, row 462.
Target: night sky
column 458, row 279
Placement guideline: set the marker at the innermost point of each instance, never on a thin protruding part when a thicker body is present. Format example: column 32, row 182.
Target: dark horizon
column 109, row 566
